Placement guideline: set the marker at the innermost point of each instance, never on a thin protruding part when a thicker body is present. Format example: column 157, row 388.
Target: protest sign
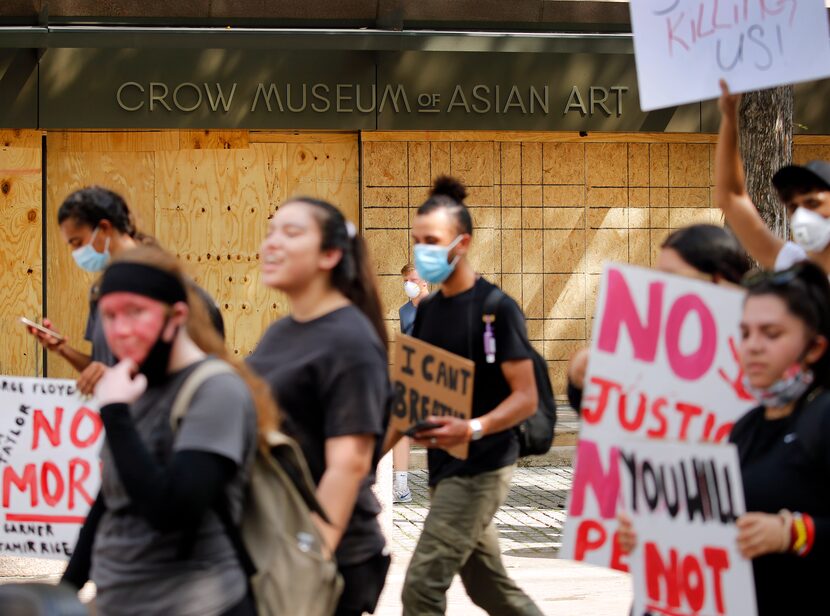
column 430, row 381
column 683, row 500
column 683, row 47
column 663, row 366
column 49, row 468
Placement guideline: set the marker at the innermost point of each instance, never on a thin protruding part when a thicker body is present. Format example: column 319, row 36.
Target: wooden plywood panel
column 212, row 202
column 129, row 173
column 327, row 171
column 248, row 307
column 20, row 259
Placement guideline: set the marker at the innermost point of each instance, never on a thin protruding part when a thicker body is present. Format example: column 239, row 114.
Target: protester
column 783, row 443
column 153, row 542
column 805, row 191
column 97, row 225
column 327, row 365
column 416, row 290
column 706, row 252
column 458, row 534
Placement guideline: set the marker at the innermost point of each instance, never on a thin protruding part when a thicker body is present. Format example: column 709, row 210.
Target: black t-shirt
column 455, row 324
column 779, row 474
column 330, row 377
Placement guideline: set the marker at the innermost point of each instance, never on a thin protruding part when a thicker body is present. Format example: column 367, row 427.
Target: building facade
column 206, row 118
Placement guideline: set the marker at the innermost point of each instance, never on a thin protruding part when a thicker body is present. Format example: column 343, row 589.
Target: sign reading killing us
column 683, row 47
column 430, row 381
column 218, row 88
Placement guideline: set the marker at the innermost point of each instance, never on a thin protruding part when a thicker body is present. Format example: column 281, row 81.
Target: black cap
column 814, row 173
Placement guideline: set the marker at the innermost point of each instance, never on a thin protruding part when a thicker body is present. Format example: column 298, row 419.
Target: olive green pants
column 459, row 537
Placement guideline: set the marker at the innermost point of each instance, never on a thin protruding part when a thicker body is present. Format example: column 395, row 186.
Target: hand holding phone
column 45, row 331
column 420, row 427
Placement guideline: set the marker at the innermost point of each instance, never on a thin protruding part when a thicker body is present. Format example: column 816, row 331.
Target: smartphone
column 420, row 427
column 40, row 328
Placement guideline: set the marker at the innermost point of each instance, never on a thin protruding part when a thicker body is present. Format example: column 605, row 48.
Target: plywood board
column 20, row 259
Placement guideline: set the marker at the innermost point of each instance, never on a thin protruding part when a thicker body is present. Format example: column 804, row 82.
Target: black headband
column 146, row 280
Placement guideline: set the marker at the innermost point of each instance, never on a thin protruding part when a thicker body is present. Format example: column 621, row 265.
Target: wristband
column 803, row 534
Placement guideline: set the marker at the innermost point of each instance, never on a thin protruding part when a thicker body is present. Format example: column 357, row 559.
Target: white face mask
column 811, row 230
column 411, row 289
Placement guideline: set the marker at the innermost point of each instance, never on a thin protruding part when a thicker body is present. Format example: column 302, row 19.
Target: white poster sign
column 683, row 47
column 683, row 500
column 49, row 468
column 663, row 366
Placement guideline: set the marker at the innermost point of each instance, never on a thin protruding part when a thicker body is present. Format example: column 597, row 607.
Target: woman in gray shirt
column 154, row 542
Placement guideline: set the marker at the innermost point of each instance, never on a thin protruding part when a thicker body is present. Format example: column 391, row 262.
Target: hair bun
column 449, row 187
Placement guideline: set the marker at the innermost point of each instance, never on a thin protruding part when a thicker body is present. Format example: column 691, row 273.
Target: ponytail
column 354, row 276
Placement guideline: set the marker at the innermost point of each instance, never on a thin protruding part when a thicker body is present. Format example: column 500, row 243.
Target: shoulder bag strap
column 194, row 380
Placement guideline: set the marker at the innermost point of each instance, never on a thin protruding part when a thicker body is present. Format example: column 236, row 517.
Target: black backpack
column 535, row 433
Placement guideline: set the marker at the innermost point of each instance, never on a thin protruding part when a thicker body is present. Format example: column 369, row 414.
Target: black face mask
column 155, row 365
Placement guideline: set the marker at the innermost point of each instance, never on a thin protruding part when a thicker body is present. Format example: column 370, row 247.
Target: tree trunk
column 766, row 138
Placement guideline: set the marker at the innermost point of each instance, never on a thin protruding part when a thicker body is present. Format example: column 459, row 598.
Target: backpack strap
column 492, row 301
column 194, row 380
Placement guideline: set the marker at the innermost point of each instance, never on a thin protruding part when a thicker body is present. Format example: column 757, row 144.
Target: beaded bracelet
column 803, row 533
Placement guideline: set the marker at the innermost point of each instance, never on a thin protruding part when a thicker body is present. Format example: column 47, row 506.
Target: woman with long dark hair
column 327, row 364
column 784, row 443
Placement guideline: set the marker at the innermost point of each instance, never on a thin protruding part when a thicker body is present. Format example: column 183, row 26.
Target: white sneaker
column 402, row 496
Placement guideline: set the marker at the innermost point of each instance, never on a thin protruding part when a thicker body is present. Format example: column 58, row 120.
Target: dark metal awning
column 44, row 37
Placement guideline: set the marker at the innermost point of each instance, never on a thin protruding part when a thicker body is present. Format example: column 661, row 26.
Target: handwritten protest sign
column 683, row 500
column 49, row 469
column 663, row 367
column 430, row 381
column 683, row 47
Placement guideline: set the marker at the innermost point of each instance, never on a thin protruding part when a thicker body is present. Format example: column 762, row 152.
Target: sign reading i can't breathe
column 683, row 47
column 683, row 500
column 430, row 381
column 49, row 468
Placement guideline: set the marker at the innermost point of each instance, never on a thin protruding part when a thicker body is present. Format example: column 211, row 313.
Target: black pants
column 362, row 584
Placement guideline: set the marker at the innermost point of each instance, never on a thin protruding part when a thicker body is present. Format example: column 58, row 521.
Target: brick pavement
column 530, row 526
column 530, row 521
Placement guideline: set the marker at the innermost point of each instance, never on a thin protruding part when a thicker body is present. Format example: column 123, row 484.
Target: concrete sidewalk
column 530, row 526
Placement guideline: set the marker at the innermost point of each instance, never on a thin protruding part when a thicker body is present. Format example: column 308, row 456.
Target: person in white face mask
column 804, row 190
column 416, row 289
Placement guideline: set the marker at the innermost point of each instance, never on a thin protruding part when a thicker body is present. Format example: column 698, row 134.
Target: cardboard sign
column 683, row 47
column 430, row 381
column 683, row 501
column 663, row 366
column 49, row 467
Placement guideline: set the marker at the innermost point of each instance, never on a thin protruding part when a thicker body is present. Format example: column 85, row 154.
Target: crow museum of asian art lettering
column 207, row 115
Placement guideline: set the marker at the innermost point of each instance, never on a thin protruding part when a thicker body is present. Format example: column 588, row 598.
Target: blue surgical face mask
column 90, row 259
column 432, row 261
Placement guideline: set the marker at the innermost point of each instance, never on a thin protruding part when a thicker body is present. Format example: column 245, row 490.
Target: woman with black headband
column 153, row 543
column 784, row 443
column 327, row 365
column 98, row 226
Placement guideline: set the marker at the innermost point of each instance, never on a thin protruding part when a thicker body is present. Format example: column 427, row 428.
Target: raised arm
column 731, row 195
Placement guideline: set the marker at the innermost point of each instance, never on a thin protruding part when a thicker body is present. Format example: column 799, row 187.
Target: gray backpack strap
column 194, row 380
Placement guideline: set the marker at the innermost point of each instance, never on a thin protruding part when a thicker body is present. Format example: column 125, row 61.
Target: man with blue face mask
column 459, row 536
column 804, row 190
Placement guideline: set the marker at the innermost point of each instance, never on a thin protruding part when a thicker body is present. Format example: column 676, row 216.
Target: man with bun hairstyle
column 459, row 536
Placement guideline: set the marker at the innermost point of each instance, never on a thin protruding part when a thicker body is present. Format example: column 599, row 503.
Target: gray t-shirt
column 137, row 569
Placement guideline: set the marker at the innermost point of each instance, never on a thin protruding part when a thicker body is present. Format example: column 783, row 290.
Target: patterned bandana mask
column 794, row 384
